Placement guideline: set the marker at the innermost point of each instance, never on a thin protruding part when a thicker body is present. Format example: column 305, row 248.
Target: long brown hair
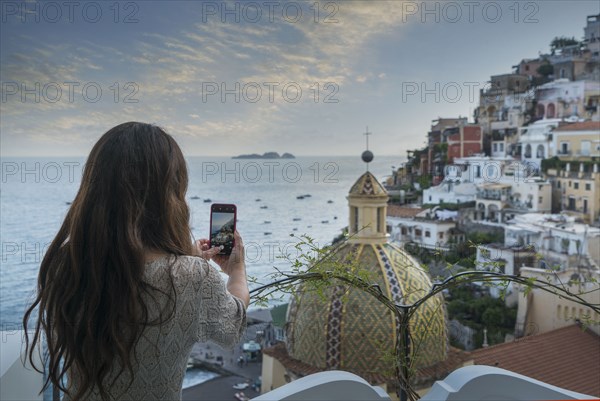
column 90, row 294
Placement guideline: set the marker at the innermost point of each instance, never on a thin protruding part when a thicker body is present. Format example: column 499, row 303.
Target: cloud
column 169, row 67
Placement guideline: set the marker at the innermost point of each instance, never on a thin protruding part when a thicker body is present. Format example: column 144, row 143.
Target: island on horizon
column 266, row 155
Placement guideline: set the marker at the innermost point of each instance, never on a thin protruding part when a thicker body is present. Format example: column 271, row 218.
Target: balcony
column 501, row 124
column 483, row 383
column 475, row 382
column 493, row 195
column 519, row 205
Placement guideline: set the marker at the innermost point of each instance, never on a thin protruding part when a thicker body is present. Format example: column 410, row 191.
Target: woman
column 123, row 292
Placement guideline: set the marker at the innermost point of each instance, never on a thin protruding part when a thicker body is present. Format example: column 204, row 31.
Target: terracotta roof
column 401, row 211
column 568, row 357
column 582, row 126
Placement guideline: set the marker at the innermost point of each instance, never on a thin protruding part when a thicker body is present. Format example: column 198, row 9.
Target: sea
column 278, row 200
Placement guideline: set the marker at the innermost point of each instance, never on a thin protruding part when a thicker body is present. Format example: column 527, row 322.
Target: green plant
column 545, row 70
column 481, row 238
column 424, row 181
column 560, row 42
column 481, row 312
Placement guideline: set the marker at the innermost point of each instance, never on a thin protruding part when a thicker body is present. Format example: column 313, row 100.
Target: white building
column 450, row 191
column 479, row 168
column 536, row 141
column 559, row 240
column 507, row 260
column 500, row 187
column 459, row 181
column 541, row 241
column 563, row 98
column 426, row 228
column 499, row 148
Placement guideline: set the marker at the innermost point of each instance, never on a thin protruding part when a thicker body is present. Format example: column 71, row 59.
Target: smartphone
column 222, row 226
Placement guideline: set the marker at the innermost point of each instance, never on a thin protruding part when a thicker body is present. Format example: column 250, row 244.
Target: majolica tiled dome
column 356, row 333
column 351, row 330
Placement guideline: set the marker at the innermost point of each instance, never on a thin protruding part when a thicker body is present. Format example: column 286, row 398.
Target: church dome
column 349, row 329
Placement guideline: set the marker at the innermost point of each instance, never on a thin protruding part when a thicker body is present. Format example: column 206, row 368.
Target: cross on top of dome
column 367, row 155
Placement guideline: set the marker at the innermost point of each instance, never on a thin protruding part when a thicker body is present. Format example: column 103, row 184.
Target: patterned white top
column 205, row 310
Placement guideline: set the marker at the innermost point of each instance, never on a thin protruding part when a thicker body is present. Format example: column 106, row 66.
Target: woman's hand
column 233, row 265
column 227, row 263
column 202, row 248
column 235, row 261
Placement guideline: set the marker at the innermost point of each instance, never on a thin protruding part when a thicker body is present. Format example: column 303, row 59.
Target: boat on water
column 207, row 200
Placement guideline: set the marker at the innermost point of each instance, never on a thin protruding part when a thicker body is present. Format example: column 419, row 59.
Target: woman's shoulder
column 182, row 268
column 176, row 260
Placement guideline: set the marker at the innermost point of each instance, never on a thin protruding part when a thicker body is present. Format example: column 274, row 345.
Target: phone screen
column 222, row 226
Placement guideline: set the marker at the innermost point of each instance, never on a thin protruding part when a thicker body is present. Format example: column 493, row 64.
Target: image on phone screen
column 222, row 228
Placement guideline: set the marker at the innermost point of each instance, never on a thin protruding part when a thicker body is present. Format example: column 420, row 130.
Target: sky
column 226, row 78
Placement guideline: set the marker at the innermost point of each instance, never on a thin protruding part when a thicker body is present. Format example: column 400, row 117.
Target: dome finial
column 367, row 155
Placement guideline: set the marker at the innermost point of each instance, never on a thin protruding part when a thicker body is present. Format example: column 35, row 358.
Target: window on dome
column 354, row 227
column 379, row 219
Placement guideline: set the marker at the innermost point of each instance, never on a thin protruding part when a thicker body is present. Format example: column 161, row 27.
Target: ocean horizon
column 36, row 194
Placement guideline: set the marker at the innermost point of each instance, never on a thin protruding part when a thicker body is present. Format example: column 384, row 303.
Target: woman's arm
column 233, row 265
